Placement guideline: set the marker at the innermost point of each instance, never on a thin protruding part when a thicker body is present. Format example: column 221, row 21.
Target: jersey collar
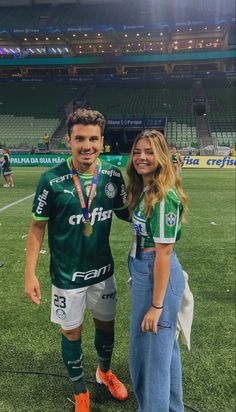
column 83, row 175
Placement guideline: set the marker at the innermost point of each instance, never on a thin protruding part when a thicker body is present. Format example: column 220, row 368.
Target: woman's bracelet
column 156, row 307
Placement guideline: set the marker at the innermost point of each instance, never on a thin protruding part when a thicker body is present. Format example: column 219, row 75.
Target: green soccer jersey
column 163, row 226
column 6, row 164
column 174, row 159
column 76, row 260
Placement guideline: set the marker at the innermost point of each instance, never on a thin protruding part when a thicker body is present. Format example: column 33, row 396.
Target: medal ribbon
column 85, row 205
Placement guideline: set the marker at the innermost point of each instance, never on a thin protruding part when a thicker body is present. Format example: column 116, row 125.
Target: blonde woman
column 157, row 205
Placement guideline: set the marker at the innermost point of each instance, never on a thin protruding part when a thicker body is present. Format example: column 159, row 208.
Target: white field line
column 16, row 203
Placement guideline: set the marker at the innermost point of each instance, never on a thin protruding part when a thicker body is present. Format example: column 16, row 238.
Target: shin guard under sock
column 73, row 358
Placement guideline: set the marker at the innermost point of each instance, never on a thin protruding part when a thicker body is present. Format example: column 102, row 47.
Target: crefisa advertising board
column 189, row 162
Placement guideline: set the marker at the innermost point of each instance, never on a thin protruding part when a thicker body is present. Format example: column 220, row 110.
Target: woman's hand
column 150, row 320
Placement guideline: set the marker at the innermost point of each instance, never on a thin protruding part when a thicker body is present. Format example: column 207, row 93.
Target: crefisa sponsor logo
column 123, row 194
column 42, row 201
column 110, row 173
column 97, row 214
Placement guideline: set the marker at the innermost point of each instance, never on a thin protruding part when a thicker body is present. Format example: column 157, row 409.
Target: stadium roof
column 217, row 6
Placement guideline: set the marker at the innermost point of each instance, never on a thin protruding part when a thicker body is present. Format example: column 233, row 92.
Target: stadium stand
column 156, row 99
column 139, row 64
column 221, row 97
column 34, row 110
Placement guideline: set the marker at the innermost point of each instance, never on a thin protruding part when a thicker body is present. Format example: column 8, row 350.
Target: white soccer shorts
column 68, row 305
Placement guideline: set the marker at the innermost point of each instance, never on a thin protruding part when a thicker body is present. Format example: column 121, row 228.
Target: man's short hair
column 85, row 117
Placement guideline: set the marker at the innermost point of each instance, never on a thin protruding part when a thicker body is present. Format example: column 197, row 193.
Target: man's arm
column 33, row 245
column 123, row 214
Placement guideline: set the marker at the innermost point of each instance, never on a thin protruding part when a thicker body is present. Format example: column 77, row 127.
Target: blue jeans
column 154, row 360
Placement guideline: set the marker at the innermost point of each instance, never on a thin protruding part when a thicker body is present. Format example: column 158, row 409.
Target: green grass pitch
column 30, row 343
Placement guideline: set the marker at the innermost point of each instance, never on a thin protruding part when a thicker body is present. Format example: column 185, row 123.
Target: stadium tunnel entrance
column 200, row 109
column 121, row 139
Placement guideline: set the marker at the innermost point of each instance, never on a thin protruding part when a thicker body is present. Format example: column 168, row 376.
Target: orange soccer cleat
column 116, row 388
column 82, row 402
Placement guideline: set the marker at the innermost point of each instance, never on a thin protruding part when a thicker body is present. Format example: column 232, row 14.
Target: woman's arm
column 161, row 278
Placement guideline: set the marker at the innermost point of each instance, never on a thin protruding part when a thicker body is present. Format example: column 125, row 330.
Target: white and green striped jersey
column 76, row 260
column 163, row 226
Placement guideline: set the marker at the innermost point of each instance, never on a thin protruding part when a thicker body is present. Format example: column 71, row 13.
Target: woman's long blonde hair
column 163, row 179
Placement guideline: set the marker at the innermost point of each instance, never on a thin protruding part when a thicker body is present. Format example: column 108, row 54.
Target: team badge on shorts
column 170, row 219
column 61, row 314
column 110, row 190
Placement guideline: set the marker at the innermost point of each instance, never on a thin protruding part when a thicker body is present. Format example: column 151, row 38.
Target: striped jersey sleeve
column 165, row 220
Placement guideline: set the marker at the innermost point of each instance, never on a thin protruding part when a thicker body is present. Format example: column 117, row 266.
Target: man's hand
column 32, row 290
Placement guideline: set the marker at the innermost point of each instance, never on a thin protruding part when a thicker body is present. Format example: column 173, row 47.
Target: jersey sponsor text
column 97, row 214
column 90, row 274
column 60, row 179
column 110, row 173
column 42, row 201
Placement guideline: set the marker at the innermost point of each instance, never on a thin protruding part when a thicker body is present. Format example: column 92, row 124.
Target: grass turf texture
column 29, row 342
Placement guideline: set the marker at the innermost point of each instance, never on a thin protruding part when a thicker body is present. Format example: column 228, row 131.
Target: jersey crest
column 110, row 190
column 170, row 219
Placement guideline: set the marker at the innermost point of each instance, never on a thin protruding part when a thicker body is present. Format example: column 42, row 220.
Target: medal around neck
column 87, row 229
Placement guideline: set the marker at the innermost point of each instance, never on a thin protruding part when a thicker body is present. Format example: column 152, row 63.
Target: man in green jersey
column 76, row 199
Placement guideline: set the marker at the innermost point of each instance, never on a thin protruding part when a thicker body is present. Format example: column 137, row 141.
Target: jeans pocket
column 177, row 282
column 163, row 324
column 139, row 266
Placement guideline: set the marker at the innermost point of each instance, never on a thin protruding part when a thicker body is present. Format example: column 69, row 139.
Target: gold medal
column 87, row 229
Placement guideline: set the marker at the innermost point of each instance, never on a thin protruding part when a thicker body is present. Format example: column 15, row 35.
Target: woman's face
column 144, row 160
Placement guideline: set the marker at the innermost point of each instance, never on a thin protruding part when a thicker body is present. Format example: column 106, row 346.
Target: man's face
column 86, row 143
